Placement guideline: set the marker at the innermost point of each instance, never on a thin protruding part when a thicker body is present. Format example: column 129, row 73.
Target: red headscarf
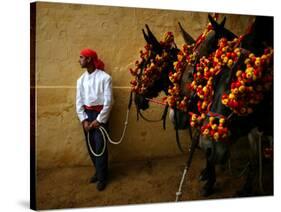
column 91, row 53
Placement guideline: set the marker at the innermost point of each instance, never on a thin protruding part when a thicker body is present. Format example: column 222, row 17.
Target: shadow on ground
column 139, row 182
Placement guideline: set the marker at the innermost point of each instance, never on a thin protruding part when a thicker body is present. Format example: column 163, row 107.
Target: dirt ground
column 138, row 182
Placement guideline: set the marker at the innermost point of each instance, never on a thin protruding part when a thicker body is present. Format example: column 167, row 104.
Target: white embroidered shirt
column 94, row 89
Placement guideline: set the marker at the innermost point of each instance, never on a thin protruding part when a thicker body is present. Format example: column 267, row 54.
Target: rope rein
column 179, row 192
column 123, row 133
column 260, row 161
column 90, row 147
column 149, row 120
column 239, row 174
column 106, row 136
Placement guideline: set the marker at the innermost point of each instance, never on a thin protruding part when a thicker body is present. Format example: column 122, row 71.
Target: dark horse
column 152, row 70
column 216, row 152
column 201, row 47
column 229, row 85
column 169, row 55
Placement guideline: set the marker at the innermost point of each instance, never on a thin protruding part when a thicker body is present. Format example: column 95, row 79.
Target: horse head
column 237, row 89
column 151, row 72
column 181, row 95
column 252, row 70
column 215, row 31
column 259, row 35
column 257, row 44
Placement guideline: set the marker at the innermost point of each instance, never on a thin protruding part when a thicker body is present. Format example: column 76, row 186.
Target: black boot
column 94, row 179
column 101, row 186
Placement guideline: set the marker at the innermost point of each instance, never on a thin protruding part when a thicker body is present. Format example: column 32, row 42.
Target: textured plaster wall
column 62, row 30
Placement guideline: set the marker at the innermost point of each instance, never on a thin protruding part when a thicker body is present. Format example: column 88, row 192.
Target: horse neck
column 221, row 85
column 211, row 41
column 159, row 85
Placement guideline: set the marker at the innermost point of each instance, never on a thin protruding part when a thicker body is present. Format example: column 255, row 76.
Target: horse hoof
column 243, row 193
column 203, row 176
column 205, row 192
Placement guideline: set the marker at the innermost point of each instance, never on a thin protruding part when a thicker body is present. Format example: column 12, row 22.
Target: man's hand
column 86, row 125
column 94, row 124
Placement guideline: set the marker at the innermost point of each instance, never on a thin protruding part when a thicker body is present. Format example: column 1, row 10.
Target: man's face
column 84, row 61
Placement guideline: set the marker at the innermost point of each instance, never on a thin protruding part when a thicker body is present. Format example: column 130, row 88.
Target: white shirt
column 94, row 89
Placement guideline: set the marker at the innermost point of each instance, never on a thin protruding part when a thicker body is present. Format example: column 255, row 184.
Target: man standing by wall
column 94, row 101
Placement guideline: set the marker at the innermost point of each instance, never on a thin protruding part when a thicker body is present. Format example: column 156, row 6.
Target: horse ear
column 187, row 38
column 153, row 41
column 145, row 37
column 213, row 22
column 262, row 29
column 223, row 22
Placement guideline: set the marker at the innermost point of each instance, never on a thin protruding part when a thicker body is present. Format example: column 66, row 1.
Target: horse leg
column 252, row 174
column 208, row 175
column 204, row 174
column 247, row 188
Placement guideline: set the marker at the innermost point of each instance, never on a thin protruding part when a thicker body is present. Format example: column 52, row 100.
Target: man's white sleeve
column 79, row 103
column 108, row 102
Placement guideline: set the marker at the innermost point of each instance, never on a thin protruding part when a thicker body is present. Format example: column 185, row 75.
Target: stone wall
column 62, row 30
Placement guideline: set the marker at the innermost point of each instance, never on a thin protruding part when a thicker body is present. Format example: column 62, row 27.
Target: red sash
column 97, row 108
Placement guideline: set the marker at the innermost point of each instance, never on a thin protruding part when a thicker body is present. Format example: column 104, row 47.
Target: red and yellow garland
column 154, row 65
column 246, row 89
column 186, row 56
